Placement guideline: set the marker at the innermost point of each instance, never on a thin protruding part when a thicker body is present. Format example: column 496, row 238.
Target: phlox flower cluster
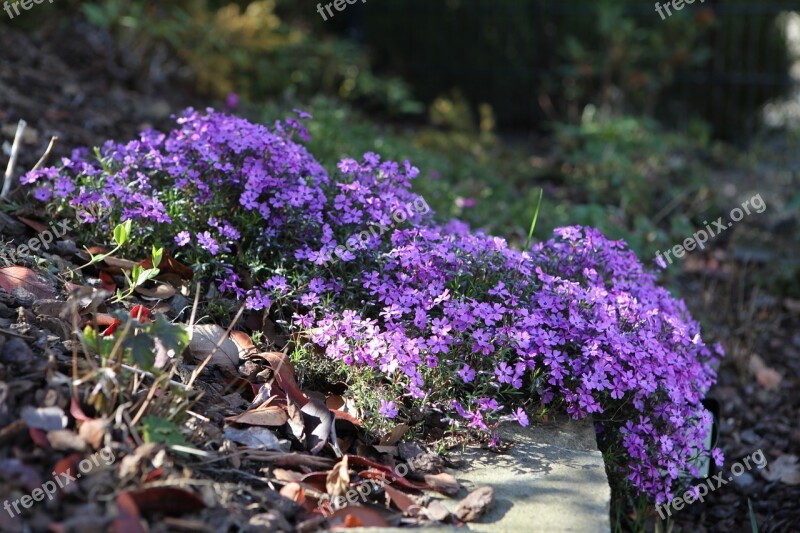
column 454, row 320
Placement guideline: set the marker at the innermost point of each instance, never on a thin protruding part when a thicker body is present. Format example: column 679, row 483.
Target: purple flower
column 467, row 374
column 207, row 241
column 183, row 238
column 521, row 417
column 388, row 409
column 232, row 101
column 719, row 457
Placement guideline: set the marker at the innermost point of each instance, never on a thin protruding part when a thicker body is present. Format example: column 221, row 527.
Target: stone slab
column 551, row 480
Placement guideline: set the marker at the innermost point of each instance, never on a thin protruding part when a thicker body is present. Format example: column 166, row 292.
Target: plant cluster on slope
column 440, row 319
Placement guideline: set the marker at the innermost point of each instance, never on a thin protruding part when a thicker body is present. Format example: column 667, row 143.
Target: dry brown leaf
column 475, row 504
column 270, row 416
column 204, row 341
column 319, row 425
column 357, row 516
column 784, row 469
column 338, row 480
column 402, row 501
column 161, row 291
column 286, row 476
column 443, row 483
column 395, row 435
column 13, row 277
column 334, row 402
column 93, row 432
column 294, row 491
column 767, row 377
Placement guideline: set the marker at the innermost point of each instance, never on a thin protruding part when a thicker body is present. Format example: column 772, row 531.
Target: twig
column 221, row 340
column 46, row 154
column 12, row 162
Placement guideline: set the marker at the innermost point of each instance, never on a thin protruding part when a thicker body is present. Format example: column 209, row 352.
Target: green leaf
column 122, row 232
column 172, row 336
column 161, row 431
column 140, row 349
column 146, row 275
column 157, row 255
column 90, row 337
column 753, row 523
column 535, row 217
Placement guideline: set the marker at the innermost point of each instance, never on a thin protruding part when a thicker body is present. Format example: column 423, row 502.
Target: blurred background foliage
column 616, row 114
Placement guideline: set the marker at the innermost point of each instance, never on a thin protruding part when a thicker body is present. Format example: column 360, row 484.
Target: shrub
column 430, row 317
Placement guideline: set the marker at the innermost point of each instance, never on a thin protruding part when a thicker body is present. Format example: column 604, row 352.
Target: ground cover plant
column 442, row 323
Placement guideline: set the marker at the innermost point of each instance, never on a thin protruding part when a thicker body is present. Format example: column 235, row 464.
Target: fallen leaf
column 341, row 415
column 107, row 282
column 294, row 491
column 357, row 516
column 68, row 466
column 767, row 377
column 475, row 504
column 169, row 265
column 161, row 291
column 402, row 501
column 338, row 480
column 319, row 425
column 784, row 469
column 316, row 480
column 12, row 277
column 395, row 435
column 93, row 432
column 296, row 425
column 39, row 438
column 286, row 476
column 334, row 402
column 128, row 519
column 166, row 500
column 270, row 416
column 51, row 308
column 383, row 476
column 35, row 225
column 443, row 483
column 284, row 375
column 204, row 342
column 65, row 439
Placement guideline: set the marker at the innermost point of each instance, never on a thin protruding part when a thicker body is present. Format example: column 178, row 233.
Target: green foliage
column 245, row 48
column 138, row 342
column 626, row 176
column 158, row 430
column 632, row 180
column 536, row 61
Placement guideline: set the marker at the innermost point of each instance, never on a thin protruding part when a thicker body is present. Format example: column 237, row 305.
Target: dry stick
column 222, row 339
column 46, row 154
column 12, row 161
